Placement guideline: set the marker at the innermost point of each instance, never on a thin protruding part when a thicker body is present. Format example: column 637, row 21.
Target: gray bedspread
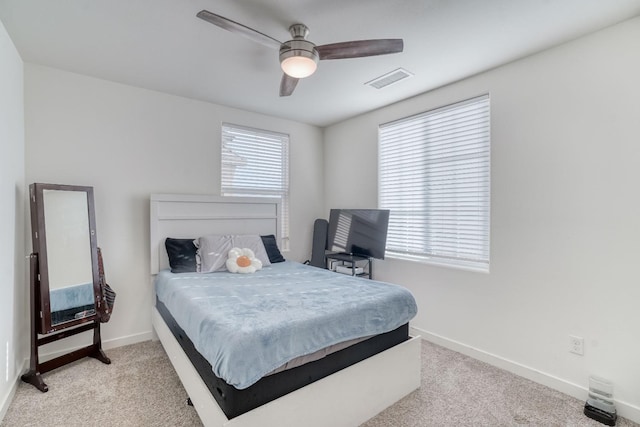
column 247, row 325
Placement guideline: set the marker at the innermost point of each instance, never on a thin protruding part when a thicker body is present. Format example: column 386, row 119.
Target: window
column 255, row 163
column 434, row 177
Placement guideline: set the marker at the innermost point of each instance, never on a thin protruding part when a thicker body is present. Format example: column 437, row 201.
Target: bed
column 345, row 388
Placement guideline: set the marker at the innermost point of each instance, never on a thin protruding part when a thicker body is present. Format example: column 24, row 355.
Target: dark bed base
column 61, row 316
column 234, row 402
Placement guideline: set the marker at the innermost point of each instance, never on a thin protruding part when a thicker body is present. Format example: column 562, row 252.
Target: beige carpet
column 140, row 388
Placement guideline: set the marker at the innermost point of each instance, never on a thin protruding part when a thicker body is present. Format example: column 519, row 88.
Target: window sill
column 459, row 265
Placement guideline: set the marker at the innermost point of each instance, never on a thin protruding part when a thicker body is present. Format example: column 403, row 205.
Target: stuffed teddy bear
column 242, row 261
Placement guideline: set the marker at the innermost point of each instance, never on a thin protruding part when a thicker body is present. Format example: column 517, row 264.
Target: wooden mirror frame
column 40, row 297
column 39, row 240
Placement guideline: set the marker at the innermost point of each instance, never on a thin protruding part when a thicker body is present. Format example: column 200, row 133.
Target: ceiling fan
column 298, row 56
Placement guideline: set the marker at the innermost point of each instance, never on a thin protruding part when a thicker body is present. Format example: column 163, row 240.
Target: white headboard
column 190, row 216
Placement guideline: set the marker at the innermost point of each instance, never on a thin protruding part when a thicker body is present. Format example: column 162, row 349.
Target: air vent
column 390, row 78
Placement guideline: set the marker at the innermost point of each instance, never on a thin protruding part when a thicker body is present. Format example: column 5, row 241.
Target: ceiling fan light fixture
column 299, row 66
column 298, row 58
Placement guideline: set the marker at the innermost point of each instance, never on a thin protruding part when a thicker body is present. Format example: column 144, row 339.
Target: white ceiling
column 161, row 45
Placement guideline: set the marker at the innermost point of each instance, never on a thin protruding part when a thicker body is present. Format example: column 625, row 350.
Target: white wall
column 12, row 219
column 565, row 230
column 565, row 216
column 127, row 143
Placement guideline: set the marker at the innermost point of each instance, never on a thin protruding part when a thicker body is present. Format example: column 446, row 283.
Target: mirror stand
column 33, row 376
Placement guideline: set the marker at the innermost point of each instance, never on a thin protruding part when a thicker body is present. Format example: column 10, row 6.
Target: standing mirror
column 69, row 240
column 66, row 291
column 64, row 237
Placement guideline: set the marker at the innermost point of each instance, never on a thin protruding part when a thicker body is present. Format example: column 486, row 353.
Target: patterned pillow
column 182, row 255
column 242, row 261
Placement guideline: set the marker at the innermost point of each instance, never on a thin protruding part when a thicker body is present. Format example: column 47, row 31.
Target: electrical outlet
column 576, row 345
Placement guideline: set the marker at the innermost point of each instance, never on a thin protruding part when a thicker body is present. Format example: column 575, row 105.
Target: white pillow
column 214, row 248
column 253, row 242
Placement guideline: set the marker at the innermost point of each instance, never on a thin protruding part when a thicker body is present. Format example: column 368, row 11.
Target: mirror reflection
column 71, row 290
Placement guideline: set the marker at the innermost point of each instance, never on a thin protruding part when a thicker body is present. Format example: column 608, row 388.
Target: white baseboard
column 106, row 344
column 129, row 339
column 624, row 409
column 4, row 405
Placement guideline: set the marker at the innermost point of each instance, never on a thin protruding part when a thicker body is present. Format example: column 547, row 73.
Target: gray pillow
column 214, row 248
column 212, row 252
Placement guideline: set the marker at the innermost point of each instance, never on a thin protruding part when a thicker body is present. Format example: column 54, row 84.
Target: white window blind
column 255, row 163
column 434, row 176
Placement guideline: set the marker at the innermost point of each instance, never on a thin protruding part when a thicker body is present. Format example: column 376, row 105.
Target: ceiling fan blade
column 238, row 28
column 360, row 48
column 287, row 85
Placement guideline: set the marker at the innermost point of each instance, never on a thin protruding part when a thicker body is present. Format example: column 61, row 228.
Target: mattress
column 71, row 302
column 234, row 402
column 246, row 326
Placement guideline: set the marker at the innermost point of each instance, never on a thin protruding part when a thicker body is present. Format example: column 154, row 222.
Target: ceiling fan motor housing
column 298, row 48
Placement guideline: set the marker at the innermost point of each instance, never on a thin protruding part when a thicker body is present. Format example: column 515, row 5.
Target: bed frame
column 347, row 398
